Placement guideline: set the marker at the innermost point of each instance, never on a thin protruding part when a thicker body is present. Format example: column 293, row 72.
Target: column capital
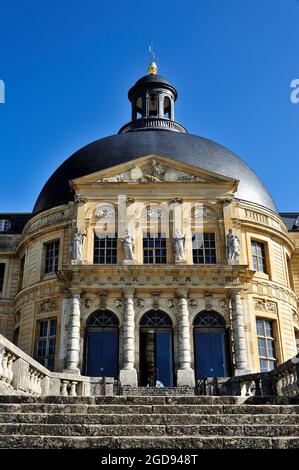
column 235, row 290
column 75, row 293
column 128, row 292
column 182, row 293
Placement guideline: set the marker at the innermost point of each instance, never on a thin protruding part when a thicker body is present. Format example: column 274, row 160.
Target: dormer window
column 5, row 225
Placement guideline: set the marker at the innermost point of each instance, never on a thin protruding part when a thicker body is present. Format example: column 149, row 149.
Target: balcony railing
column 152, row 123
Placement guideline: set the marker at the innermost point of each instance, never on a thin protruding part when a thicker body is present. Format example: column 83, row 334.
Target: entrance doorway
column 156, row 350
column 211, row 345
column 101, row 357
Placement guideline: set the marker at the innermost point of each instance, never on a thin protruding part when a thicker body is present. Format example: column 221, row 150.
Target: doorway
column 102, row 345
column 211, row 345
column 156, row 350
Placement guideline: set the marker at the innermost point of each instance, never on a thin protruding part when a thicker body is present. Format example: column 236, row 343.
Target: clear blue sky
column 67, row 66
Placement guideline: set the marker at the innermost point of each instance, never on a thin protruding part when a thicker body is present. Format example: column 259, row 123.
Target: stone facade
column 234, row 289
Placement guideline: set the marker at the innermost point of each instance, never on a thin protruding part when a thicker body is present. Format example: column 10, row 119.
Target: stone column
column 185, row 374
column 128, row 374
column 239, row 333
column 73, row 343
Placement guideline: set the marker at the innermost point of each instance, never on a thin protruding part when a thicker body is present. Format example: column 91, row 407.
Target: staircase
column 149, row 422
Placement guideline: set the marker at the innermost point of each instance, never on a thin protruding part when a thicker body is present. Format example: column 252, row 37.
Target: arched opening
column 156, row 350
column 102, row 345
column 167, row 108
column 153, row 105
column 211, row 345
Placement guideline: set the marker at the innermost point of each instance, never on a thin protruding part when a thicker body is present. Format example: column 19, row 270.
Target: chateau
column 153, row 257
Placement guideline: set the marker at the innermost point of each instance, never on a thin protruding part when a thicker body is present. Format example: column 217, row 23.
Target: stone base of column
column 75, row 371
column 180, row 261
column 241, row 372
column 185, row 377
column 128, row 377
column 129, row 262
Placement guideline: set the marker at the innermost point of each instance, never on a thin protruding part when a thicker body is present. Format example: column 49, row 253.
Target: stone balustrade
column 21, row 374
column 281, row 381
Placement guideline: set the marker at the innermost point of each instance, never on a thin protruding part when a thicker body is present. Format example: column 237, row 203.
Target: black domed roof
column 121, row 148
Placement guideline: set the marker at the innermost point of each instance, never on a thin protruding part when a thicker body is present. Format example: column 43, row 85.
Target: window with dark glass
column 2, row 271
column 154, row 248
column 105, row 249
column 52, row 257
column 45, row 350
column 258, row 256
column 266, row 344
column 203, row 248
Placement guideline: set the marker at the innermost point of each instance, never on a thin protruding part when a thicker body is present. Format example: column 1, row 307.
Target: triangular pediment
column 154, row 169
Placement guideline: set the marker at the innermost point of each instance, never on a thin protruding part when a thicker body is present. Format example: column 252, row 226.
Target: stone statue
column 179, row 245
column 233, row 246
column 77, row 245
column 129, row 247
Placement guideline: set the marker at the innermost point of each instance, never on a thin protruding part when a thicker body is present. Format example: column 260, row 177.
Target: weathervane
column 152, row 68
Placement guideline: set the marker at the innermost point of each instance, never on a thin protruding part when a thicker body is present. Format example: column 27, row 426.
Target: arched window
column 102, row 319
column 156, row 319
column 153, row 104
column 167, row 107
column 211, row 345
column 209, row 319
column 156, row 350
column 102, row 344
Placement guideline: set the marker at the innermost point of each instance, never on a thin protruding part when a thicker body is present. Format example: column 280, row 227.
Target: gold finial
column 152, row 68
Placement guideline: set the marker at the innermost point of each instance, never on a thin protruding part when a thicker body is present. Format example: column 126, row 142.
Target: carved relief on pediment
column 152, row 171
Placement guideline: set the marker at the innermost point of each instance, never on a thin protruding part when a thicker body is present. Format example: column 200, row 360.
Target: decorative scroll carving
column 171, row 303
column 193, row 303
column 265, row 306
column 79, row 199
column 156, row 299
column 103, row 299
column 47, row 306
column 118, row 303
column 140, row 303
column 205, row 212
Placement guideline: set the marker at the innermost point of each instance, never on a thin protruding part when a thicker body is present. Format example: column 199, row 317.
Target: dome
column 122, row 148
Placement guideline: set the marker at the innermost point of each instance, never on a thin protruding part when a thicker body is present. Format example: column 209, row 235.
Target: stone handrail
column 21, row 374
column 281, row 381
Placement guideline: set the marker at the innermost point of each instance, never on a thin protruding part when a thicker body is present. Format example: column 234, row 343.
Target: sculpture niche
column 129, row 248
column 233, row 247
column 77, row 246
column 179, row 242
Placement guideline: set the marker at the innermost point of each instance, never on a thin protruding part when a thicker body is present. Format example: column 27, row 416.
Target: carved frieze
column 48, row 305
column 152, row 172
column 262, row 305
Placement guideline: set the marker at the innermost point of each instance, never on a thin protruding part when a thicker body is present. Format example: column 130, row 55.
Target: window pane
column 262, row 347
column 259, row 327
column 204, row 248
column 264, row 365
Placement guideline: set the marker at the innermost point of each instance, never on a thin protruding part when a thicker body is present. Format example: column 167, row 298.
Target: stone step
column 123, row 400
column 152, row 419
column 147, row 409
column 254, row 430
column 137, row 442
